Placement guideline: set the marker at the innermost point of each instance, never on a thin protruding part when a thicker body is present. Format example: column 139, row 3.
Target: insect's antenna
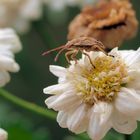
column 102, row 50
column 98, row 44
column 55, row 49
column 58, row 54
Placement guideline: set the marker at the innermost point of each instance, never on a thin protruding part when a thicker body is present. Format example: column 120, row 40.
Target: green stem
column 127, row 137
column 27, row 105
column 30, row 106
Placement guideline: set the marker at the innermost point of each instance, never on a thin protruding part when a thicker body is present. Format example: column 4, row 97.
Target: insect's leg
column 68, row 54
column 55, row 49
column 56, row 58
column 73, row 56
column 89, row 58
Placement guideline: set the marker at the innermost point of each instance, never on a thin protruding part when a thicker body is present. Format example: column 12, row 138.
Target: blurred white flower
column 94, row 100
column 62, row 4
column 3, row 134
column 9, row 44
column 19, row 13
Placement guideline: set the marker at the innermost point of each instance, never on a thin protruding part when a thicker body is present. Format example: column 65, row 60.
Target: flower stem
column 27, row 105
column 127, row 137
column 32, row 107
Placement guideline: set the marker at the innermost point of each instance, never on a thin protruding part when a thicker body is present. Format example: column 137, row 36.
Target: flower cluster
column 19, row 13
column 9, row 44
column 101, row 90
column 96, row 99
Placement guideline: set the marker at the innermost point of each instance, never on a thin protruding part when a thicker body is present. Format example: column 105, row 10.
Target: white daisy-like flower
column 3, row 134
column 19, row 13
column 96, row 99
column 9, row 44
column 62, row 4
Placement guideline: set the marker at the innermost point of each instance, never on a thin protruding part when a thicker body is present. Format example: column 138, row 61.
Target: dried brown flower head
column 110, row 21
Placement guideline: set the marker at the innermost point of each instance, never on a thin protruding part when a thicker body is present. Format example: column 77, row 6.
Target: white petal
column 3, row 134
column 62, row 119
column 131, row 57
column 63, row 101
column 21, row 25
column 31, row 10
column 57, row 5
column 58, row 71
column 50, row 100
column 8, row 64
column 78, row 120
column 126, row 55
column 128, row 102
column 4, row 78
column 75, row 68
column 5, row 52
column 123, row 124
column 135, row 82
column 61, row 80
column 9, row 44
column 56, row 89
column 100, row 120
column 135, row 57
column 9, row 37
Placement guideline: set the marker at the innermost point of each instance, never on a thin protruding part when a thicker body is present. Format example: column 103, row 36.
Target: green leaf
column 19, row 127
column 112, row 135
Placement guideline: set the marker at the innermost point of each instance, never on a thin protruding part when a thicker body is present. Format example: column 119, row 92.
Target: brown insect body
column 77, row 45
column 85, row 43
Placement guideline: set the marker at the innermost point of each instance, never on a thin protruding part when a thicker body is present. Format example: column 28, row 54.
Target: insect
column 77, row 45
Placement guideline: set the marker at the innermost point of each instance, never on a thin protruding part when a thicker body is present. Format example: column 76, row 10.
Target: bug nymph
column 77, row 45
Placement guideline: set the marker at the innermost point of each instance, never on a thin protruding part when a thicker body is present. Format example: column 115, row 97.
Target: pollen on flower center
column 104, row 81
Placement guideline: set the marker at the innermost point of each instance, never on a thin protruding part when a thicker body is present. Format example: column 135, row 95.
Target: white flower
column 3, row 134
column 9, row 44
column 19, row 13
column 96, row 99
column 62, row 4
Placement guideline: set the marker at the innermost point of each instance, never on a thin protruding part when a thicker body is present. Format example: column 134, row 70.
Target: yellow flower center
column 103, row 82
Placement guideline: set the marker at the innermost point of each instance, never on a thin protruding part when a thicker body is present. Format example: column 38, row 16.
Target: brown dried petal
column 111, row 22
